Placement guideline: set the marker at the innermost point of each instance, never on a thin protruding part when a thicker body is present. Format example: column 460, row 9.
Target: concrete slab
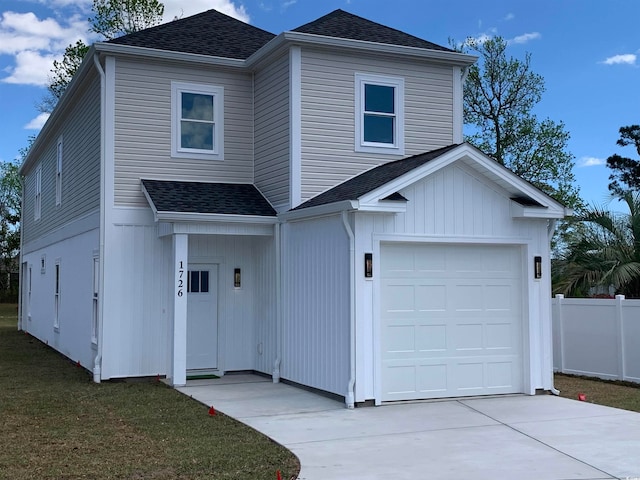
column 524, row 437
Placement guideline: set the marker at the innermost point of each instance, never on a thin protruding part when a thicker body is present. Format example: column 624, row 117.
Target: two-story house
column 208, row 197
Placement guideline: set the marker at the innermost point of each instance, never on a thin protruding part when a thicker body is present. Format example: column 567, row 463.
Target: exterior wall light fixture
column 368, row 265
column 537, row 267
column 237, row 278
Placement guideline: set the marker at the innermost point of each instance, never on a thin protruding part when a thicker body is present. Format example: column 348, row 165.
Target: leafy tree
column 112, row 19
column 626, row 171
column 605, row 252
column 499, row 95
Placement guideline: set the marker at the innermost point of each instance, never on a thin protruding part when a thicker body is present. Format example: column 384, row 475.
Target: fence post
column 620, row 333
column 559, row 316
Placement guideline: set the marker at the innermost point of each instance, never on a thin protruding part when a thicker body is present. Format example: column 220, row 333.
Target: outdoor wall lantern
column 368, row 265
column 237, row 278
column 537, row 267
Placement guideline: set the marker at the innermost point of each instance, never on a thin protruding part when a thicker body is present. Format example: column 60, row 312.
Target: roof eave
column 455, row 58
column 118, row 49
column 319, row 210
column 161, row 216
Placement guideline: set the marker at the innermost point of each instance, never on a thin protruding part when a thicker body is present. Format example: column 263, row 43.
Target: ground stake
column 582, row 397
column 278, row 476
column 212, row 411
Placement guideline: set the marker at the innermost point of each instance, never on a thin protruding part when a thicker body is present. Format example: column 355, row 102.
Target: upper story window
column 379, row 114
column 37, row 207
column 59, row 172
column 197, row 121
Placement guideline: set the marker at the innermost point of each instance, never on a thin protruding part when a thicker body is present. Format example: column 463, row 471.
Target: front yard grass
column 617, row 394
column 55, row 423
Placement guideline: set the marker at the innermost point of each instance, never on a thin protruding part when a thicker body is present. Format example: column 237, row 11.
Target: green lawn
column 55, row 423
column 623, row 395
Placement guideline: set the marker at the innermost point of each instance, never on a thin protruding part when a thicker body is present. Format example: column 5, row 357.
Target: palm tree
column 605, row 252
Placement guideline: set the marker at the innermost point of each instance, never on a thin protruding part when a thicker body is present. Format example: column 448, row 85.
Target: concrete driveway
column 511, row 437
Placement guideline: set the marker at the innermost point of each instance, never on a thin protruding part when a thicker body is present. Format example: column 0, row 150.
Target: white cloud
column 32, row 68
column 626, row 58
column 525, row 37
column 286, row 4
column 38, row 122
column 181, row 9
column 509, row 16
column 591, row 162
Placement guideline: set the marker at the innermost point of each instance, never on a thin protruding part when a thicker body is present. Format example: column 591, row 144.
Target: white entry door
column 202, row 317
column 451, row 320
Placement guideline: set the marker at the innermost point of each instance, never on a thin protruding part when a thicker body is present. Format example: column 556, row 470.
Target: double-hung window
column 197, row 121
column 59, row 172
column 37, row 207
column 379, row 114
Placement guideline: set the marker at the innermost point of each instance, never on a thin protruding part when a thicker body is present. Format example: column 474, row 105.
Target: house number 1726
column 180, row 279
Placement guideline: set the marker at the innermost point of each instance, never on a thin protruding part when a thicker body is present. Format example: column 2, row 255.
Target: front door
column 202, row 317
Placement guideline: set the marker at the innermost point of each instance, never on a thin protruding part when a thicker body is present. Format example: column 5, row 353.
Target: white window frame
column 96, row 290
column 177, row 88
column 37, row 207
column 59, row 172
column 397, row 147
column 57, row 287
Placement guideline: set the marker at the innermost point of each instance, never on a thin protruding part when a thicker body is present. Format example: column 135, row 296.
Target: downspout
column 551, row 228
column 97, row 363
column 350, row 398
column 276, row 363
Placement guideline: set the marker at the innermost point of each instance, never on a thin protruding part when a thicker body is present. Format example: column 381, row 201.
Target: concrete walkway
column 511, row 437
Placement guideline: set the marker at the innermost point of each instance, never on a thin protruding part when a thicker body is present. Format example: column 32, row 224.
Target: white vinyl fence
column 597, row 337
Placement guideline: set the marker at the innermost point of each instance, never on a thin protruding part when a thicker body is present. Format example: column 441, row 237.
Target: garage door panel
column 459, row 331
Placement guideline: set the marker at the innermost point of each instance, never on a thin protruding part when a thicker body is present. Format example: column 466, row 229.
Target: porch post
column 179, row 357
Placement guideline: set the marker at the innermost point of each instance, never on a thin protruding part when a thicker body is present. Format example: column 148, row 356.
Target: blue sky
column 588, row 51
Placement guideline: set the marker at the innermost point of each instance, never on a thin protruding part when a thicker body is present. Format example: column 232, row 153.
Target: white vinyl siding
column 328, row 113
column 78, row 186
column 272, row 131
column 143, row 127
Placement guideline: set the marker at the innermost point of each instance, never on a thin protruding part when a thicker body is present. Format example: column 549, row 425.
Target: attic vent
column 396, row 197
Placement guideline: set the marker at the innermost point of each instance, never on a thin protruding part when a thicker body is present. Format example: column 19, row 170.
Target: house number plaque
column 180, row 279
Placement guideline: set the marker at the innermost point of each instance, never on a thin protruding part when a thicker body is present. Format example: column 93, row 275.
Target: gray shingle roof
column 207, row 33
column 343, row 24
column 364, row 183
column 215, row 198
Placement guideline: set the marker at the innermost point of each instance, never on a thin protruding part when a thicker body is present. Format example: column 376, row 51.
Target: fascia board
column 384, row 207
column 521, row 211
column 151, row 204
column 58, row 111
column 320, row 210
column 453, row 58
column 116, row 49
column 213, row 217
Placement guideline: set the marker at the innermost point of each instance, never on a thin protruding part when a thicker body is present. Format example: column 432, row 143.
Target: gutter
column 350, row 397
column 551, row 228
column 97, row 363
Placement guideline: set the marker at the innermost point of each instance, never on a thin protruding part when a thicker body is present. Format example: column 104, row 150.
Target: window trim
column 57, row 279
column 37, row 207
column 217, row 92
column 397, row 147
column 59, row 151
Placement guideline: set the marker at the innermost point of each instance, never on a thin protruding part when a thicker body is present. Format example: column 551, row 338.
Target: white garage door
column 451, row 320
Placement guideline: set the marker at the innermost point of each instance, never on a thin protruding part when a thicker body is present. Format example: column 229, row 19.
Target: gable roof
column 343, row 24
column 207, row 33
column 358, row 186
column 209, row 198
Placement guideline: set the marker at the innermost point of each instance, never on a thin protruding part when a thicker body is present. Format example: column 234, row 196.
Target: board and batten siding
column 315, row 332
column 456, row 205
column 272, row 131
column 328, row 113
column 80, row 132
column 143, row 127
